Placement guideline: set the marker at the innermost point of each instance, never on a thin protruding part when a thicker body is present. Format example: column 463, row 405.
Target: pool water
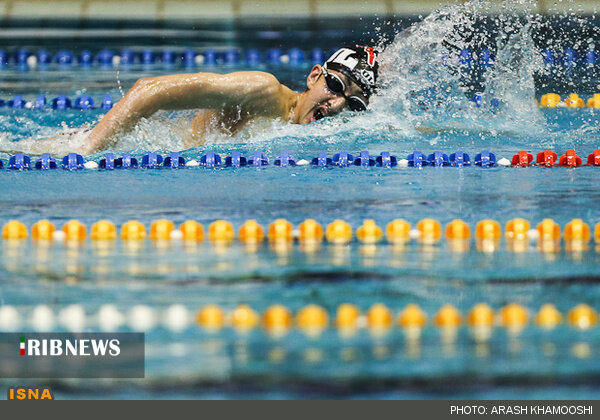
column 197, row 363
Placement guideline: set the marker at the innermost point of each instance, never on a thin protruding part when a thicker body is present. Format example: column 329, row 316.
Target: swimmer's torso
column 230, row 121
column 210, row 121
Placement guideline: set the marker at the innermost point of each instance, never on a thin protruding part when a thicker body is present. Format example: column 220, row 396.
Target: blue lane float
column 321, row 160
column 485, row 159
column 486, row 58
column 258, row 159
column 152, row 161
column 459, row 159
column 17, row 102
column 569, row 58
column 174, row 161
column 285, row 159
column 86, row 59
column 210, row 58
column 148, row 57
column 84, row 102
column 274, row 56
column 416, row 159
column 212, row 160
column 61, row 103
column 364, row 159
column 72, row 162
column 466, row 57
column 127, row 57
column 40, row 102
column 317, row 56
column 107, row 102
column 342, row 159
column 236, row 160
column 189, row 57
column 21, row 57
column 591, row 57
column 105, row 58
column 548, row 56
column 43, row 57
column 64, row 57
column 126, row 162
column 232, row 57
column 253, row 57
column 168, row 57
column 438, row 159
column 45, row 162
column 19, row 161
column 386, row 160
column 108, row 162
column 296, row 56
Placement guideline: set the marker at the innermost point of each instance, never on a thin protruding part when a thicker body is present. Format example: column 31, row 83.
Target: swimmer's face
column 320, row 102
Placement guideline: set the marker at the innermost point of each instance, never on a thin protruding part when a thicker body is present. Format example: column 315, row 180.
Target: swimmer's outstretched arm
column 253, row 92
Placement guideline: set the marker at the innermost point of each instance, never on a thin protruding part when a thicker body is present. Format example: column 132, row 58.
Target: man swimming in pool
column 231, row 101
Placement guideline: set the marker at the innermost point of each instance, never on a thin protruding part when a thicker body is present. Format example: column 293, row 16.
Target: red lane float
column 547, row 158
column 594, row 158
column 570, row 159
column 523, row 158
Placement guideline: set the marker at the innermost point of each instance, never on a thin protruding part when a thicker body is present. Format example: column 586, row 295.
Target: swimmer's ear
column 314, row 74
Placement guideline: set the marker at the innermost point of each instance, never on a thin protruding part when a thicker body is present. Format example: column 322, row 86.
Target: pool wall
column 233, row 9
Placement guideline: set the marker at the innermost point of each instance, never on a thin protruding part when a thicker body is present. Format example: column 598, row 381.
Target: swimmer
column 231, row 101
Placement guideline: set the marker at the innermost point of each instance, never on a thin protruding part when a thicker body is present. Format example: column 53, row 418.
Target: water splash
column 427, row 87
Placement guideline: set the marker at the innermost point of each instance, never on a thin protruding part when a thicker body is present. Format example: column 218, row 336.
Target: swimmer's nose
column 336, row 104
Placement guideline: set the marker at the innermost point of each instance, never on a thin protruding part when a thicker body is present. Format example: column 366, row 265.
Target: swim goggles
column 337, row 86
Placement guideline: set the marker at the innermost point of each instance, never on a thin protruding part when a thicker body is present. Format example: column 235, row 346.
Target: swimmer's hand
column 59, row 145
column 428, row 130
column 251, row 93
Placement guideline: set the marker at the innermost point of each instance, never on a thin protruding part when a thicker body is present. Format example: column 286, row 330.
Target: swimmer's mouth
column 318, row 114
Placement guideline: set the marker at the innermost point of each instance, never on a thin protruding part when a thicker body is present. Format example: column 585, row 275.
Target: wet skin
column 230, row 101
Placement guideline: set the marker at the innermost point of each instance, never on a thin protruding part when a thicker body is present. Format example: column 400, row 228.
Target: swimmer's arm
column 429, row 130
column 253, row 92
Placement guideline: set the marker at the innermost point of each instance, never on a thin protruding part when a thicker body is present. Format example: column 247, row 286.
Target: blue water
column 562, row 363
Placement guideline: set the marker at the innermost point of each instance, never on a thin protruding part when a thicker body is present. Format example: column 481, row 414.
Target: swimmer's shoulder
column 255, row 76
column 262, row 90
column 259, row 81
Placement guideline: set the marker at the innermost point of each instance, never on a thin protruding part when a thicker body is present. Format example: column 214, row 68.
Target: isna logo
column 29, row 393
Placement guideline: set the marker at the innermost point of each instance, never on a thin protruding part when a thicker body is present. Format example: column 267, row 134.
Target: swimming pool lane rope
column 87, row 102
column 313, row 319
column 517, row 232
column 482, row 59
column 75, row 162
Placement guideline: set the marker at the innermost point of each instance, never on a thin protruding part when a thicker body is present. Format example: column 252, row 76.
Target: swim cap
column 358, row 63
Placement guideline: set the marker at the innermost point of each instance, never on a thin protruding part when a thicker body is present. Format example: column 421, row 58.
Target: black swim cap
column 358, row 63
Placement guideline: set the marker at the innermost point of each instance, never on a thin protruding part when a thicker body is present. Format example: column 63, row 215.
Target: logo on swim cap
column 358, row 63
